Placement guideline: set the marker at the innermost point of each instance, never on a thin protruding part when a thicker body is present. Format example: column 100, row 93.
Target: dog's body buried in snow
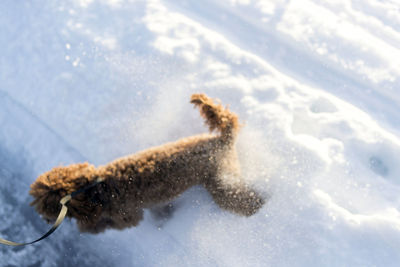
column 154, row 176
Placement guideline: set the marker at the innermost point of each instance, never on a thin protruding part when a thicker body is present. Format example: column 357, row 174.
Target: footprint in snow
column 378, row 166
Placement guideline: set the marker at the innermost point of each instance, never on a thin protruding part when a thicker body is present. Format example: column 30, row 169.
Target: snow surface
column 315, row 82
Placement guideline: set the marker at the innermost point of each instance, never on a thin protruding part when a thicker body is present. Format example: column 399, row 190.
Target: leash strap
column 59, row 220
column 60, row 217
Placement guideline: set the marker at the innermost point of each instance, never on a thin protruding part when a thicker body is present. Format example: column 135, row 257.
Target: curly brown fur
column 151, row 177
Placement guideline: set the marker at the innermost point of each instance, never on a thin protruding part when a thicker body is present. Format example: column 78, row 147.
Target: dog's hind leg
column 235, row 197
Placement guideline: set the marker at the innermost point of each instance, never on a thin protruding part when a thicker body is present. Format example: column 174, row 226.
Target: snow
column 315, row 84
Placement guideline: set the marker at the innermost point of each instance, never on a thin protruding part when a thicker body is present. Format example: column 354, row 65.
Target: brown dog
column 151, row 177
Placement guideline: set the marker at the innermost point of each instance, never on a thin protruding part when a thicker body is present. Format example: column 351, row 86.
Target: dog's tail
column 217, row 117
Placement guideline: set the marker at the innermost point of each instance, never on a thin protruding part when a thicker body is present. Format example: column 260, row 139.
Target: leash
column 60, row 218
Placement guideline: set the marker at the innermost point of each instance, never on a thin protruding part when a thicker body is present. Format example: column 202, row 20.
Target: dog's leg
column 235, row 197
column 127, row 218
column 120, row 221
column 163, row 212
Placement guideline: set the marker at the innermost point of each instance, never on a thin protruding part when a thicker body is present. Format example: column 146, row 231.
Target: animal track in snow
column 378, row 166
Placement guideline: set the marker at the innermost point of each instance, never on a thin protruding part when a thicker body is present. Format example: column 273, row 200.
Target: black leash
column 60, row 218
